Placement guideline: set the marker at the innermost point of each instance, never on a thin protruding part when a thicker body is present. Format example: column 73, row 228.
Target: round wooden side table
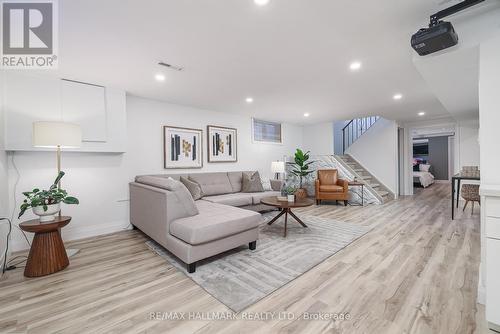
column 47, row 254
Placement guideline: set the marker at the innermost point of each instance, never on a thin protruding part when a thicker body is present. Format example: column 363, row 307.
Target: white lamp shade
column 278, row 167
column 54, row 134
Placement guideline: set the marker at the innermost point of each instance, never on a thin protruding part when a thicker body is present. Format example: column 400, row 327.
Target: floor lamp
column 57, row 135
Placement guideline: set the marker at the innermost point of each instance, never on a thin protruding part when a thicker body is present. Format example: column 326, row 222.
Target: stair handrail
column 355, row 128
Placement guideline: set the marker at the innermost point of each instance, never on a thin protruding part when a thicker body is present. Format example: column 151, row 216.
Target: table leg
column 286, row 219
column 47, row 255
column 297, row 219
column 458, row 192
column 282, row 212
column 452, row 198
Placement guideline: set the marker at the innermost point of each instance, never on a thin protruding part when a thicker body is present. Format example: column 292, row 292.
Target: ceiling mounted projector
column 440, row 35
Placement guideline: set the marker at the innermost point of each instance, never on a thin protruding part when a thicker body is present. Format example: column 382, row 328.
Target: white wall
column 489, row 109
column 377, row 151
column 468, row 151
column 100, row 180
column 318, row 138
column 489, row 119
column 146, row 118
column 4, row 199
column 35, row 97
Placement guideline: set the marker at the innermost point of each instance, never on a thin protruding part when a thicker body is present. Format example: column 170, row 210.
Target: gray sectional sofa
column 226, row 218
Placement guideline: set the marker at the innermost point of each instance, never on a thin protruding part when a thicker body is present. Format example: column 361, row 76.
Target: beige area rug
column 241, row 277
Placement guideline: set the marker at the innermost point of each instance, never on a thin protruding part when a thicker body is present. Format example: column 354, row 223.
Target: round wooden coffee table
column 286, row 208
column 47, row 254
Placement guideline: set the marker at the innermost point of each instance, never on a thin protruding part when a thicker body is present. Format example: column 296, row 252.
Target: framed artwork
column 182, row 147
column 222, row 144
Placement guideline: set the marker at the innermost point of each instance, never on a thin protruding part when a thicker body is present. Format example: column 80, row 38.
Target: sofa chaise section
column 214, row 222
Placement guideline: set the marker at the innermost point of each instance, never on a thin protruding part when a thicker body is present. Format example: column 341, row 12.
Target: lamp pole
column 58, row 155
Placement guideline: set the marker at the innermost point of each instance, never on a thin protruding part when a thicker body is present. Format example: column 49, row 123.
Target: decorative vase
column 291, row 198
column 301, row 193
column 49, row 215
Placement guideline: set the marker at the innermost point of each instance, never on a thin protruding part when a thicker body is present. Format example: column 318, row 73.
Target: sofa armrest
column 344, row 184
column 148, row 210
column 316, row 186
column 277, row 185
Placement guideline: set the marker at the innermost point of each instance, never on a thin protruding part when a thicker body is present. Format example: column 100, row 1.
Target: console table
column 47, row 254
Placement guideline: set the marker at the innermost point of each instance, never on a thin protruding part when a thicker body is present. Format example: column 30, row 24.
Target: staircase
column 355, row 129
column 362, row 174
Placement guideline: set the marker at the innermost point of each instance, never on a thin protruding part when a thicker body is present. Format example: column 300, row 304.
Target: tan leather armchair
column 330, row 187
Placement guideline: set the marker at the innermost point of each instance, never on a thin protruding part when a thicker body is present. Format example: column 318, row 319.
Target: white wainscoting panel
column 490, row 238
column 493, row 228
column 492, row 281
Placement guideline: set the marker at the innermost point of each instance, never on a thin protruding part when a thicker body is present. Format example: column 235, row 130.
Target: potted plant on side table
column 47, row 203
column 301, row 169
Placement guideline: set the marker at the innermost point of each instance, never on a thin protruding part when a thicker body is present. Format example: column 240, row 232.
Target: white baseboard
column 481, row 289
column 494, row 327
column 481, row 294
column 70, row 233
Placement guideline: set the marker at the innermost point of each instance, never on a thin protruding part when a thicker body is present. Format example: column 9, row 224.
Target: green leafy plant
column 290, row 190
column 301, row 165
column 43, row 198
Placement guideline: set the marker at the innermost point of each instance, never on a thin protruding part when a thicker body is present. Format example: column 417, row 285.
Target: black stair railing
column 355, row 129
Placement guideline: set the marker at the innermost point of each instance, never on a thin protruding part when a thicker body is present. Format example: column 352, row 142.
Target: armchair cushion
column 331, row 188
column 328, row 176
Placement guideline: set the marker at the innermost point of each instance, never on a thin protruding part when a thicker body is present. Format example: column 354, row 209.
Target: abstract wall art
column 222, row 144
column 182, row 147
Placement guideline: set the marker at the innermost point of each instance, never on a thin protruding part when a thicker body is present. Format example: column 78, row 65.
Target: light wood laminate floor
column 415, row 272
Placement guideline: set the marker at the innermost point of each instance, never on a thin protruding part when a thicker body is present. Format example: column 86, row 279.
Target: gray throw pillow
column 251, row 183
column 187, row 206
column 193, row 187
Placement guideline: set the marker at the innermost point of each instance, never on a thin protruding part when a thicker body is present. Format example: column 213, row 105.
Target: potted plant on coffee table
column 300, row 169
column 290, row 193
column 47, row 203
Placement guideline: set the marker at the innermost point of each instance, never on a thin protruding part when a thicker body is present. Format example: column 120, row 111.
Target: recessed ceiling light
column 249, row 99
column 397, row 97
column 160, row 77
column 306, row 114
column 422, row 113
column 261, row 2
column 355, row 65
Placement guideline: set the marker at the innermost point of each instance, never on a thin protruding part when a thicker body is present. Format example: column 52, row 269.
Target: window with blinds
column 269, row 132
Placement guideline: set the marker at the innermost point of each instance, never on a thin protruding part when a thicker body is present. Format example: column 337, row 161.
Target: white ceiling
column 453, row 74
column 291, row 56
